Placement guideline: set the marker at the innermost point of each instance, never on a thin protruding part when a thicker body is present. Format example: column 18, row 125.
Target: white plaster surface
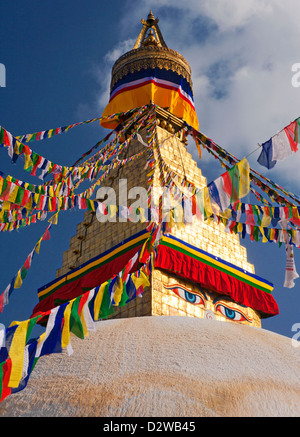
column 165, row 367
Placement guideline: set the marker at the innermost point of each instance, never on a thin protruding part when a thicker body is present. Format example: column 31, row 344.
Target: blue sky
column 58, row 58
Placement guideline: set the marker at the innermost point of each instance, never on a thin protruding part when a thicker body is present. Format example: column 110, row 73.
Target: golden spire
column 150, row 51
column 150, row 33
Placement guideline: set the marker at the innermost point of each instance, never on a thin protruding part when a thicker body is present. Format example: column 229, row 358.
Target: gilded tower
column 202, row 270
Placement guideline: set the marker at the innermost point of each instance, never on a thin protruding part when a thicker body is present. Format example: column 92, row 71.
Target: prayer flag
column 231, row 186
column 280, row 146
column 290, row 268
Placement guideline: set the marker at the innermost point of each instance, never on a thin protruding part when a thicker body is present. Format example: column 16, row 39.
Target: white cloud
column 241, row 54
column 104, row 72
column 119, row 50
column 241, row 69
column 235, row 13
column 102, row 76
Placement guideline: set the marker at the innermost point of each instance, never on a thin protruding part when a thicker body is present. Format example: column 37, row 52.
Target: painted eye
column 231, row 313
column 187, row 295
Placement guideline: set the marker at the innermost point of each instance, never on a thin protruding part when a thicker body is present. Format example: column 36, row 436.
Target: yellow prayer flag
column 226, row 214
column 17, row 147
column 65, row 336
column 141, row 280
column 240, row 227
column 84, row 327
column 293, row 231
column 29, row 203
column 38, row 244
column 296, row 213
column 266, row 220
column 198, row 148
column 142, row 213
column 28, row 161
column 112, row 209
column 118, row 292
column 6, row 205
column 207, row 204
column 54, row 219
column 264, row 240
column 16, row 353
column 12, row 196
column 244, row 171
column 36, row 197
column 51, row 191
column 18, row 281
column 98, row 300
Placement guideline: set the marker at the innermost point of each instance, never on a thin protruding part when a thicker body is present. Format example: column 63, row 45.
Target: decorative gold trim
column 150, row 57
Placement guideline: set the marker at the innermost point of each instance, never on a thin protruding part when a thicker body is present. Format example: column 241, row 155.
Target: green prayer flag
column 106, row 308
column 75, row 322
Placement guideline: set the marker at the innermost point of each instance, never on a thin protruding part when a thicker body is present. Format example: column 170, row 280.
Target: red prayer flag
column 46, row 235
column 290, row 133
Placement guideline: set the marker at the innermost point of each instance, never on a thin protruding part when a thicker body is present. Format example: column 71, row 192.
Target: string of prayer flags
column 34, row 161
column 62, row 188
column 49, row 133
column 93, row 148
column 115, row 146
column 280, row 146
column 37, row 136
column 258, row 218
column 14, row 224
column 20, row 353
column 25, row 198
column 272, row 189
column 110, row 147
column 18, row 279
column 276, row 192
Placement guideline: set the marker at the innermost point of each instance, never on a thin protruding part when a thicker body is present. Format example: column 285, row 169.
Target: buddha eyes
column 186, row 294
column 189, row 296
column 231, row 313
column 197, row 299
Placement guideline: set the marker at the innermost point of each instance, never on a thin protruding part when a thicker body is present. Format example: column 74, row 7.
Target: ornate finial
column 150, row 51
column 150, row 40
column 155, row 38
column 151, row 19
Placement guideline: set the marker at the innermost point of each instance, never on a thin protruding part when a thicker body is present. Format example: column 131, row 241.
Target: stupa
column 135, row 364
column 200, row 270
